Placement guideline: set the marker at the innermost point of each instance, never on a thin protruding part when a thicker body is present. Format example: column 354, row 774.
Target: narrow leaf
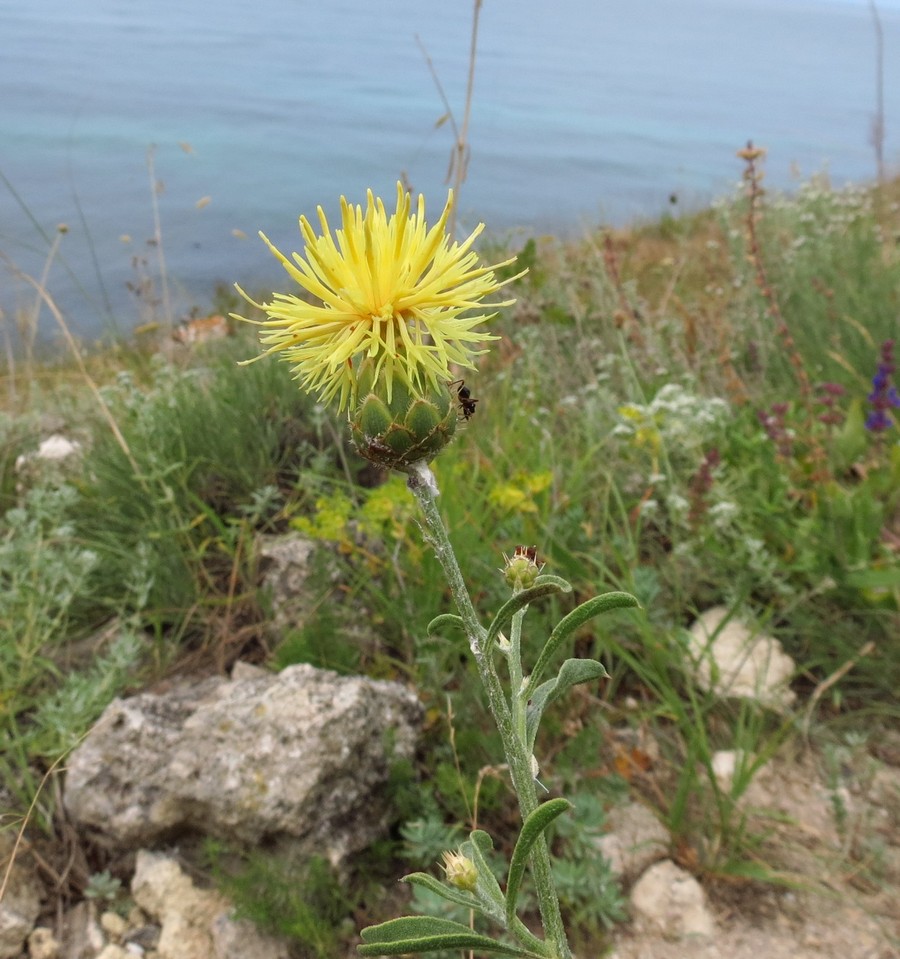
column 544, row 578
column 411, row 934
column 568, row 624
column 443, row 621
column 543, row 586
column 450, row 893
column 532, row 830
column 487, row 889
column 571, row 673
column 491, row 900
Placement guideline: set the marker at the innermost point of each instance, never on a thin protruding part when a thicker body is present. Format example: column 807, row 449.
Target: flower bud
column 522, row 570
column 460, row 870
column 409, row 426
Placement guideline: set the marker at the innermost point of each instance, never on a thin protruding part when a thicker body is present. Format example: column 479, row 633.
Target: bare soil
column 836, row 847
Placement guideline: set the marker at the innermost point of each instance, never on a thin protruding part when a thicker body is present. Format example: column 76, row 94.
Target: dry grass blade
column 48, row 300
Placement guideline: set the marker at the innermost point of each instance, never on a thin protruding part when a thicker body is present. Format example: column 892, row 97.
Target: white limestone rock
column 42, row 944
column 298, row 758
column 670, row 900
column 21, row 902
column 286, row 563
column 53, row 459
column 635, row 839
column 53, row 449
column 196, row 923
column 734, row 660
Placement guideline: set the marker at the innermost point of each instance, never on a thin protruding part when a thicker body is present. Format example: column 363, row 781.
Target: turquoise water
column 584, row 112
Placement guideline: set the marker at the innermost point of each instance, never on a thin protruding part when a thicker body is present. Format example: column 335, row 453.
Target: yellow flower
column 387, row 288
column 330, row 520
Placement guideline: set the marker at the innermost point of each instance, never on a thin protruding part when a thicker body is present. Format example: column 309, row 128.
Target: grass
column 653, row 420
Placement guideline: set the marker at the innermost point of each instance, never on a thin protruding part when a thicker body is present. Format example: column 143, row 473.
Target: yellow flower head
column 387, row 288
column 461, row 871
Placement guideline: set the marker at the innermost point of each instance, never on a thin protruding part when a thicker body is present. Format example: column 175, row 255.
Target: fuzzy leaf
column 543, row 586
column 546, row 579
column 487, row 889
column 532, row 830
column 571, row 673
column 445, row 619
column 450, row 893
column 411, row 934
column 568, row 624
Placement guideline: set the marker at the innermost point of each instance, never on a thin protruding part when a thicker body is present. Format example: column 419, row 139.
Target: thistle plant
column 398, row 304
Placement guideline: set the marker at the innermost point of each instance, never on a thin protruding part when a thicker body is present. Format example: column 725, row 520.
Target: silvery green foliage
column 424, row 839
column 45, row 574
column 683, row 421
column 518, row 715
column 42, row 570
column 585, row 881
column 102, row 886
column 60, row 720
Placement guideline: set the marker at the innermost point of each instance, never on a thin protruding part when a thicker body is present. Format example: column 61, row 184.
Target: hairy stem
column 424, row 487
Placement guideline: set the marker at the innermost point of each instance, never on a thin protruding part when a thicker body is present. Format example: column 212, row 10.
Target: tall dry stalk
column 877, row 133
column 45, row 298
column 753, row 180
column 156, row 187
column 459, row 155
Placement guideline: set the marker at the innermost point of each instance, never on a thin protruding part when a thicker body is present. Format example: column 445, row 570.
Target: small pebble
column 42, row 944
column 113, row 925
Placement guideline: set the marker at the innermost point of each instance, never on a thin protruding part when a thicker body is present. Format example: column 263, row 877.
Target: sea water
column 225, row 118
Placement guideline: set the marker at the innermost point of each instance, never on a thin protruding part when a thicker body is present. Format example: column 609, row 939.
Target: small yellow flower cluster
column 330, row 521
column 641, row 426
column 517, row 496
column 385, row 513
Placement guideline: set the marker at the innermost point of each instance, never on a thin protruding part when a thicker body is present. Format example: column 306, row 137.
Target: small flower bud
column 522, row 570
column 460, row 870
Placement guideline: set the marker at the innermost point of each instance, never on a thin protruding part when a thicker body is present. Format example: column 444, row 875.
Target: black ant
column 466, row 400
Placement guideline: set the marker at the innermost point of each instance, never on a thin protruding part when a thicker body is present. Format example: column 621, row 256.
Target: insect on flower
column 386, row 287
column 528, row 552
column 466, row 400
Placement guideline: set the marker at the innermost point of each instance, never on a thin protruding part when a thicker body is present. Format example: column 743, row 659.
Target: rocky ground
column 838, row 850
column 839, row 856
column 294, row 761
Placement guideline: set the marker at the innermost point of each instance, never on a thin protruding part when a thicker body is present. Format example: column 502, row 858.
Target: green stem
column 516, row 677
column 424, row 487
column 422, row 483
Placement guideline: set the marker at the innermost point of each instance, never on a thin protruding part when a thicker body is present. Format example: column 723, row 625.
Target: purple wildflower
column 884, row 394
column 774, row 422
column 828, row 396
column 701, row 484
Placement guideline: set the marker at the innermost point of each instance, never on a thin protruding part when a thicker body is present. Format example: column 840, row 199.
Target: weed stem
column 425, row 489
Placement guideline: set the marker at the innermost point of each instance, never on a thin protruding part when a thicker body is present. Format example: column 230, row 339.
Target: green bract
column 400, row 427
